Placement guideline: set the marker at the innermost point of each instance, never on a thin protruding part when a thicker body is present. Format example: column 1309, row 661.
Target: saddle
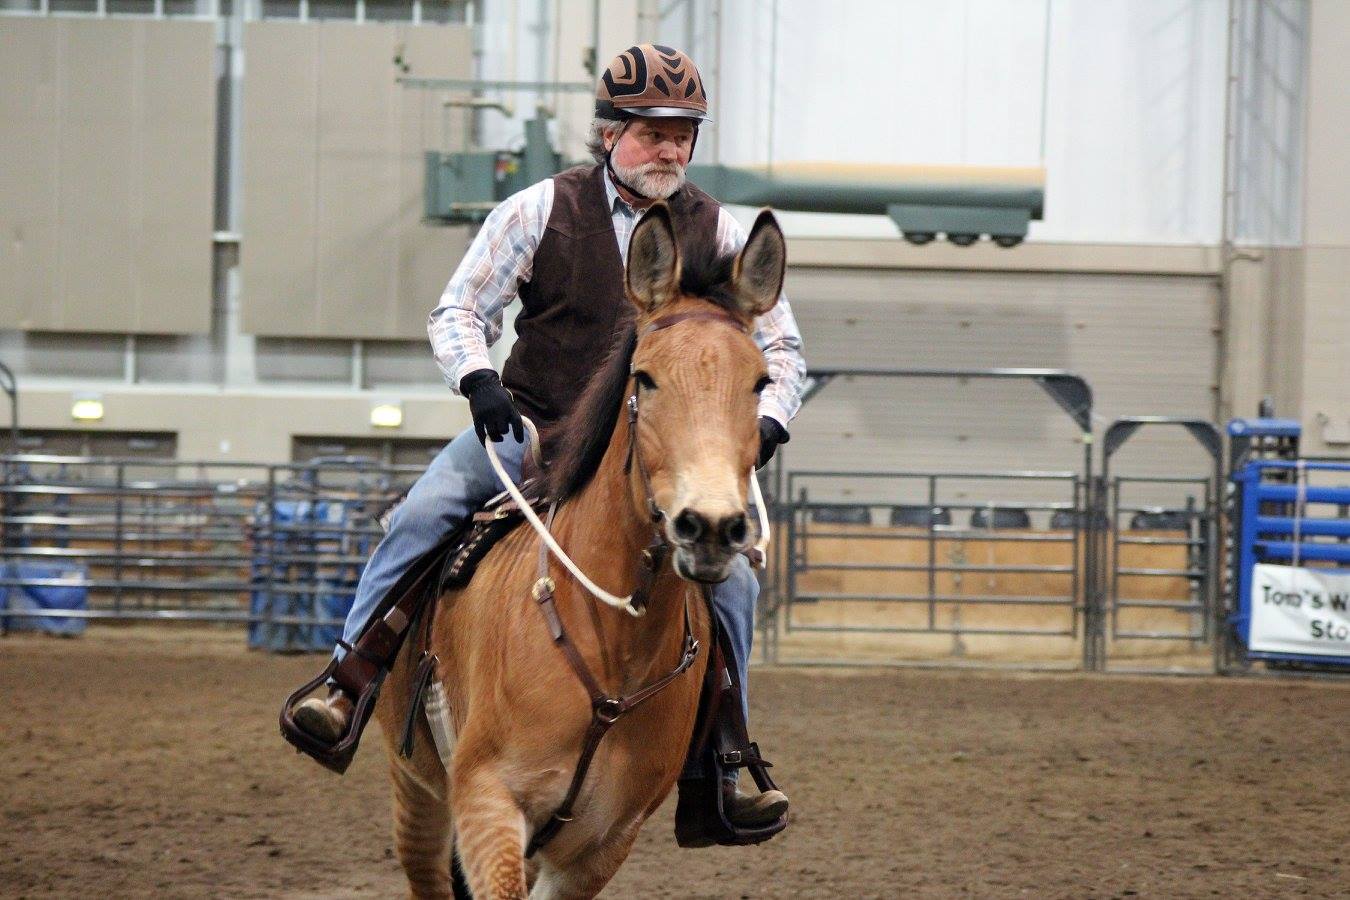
column 361, row 672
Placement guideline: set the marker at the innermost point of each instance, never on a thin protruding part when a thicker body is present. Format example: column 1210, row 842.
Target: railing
column 266, row 545
column 939, row 563
column 1284, row 518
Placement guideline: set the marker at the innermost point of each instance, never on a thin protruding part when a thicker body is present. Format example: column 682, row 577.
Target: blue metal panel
column 1290, row 493
column 1268, row 538
column 1318, row 527
column 1282, row 550
column 1265, row 427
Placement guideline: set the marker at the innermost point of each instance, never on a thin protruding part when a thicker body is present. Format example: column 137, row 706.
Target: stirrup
column 701, row 818
column 335, row 757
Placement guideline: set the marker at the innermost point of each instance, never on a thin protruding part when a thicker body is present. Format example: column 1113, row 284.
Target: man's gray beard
column 651, row 179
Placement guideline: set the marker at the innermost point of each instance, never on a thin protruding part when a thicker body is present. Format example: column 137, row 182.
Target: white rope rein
column 604, row 596
column 762, row 544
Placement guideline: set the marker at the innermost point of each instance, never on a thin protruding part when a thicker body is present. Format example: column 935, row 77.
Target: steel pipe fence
column 264, row 545
column 164, row 540
column 938, row 532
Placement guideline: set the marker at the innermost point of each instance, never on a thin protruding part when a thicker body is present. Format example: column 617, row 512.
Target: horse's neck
column 604, row 530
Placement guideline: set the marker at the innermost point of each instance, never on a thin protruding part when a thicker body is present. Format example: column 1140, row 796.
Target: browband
column 675, row 318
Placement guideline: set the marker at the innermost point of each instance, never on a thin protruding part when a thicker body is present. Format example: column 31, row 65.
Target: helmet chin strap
column 609, row 167
column 609, row 163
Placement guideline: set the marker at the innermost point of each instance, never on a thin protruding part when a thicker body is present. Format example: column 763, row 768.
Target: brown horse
column 518, row 712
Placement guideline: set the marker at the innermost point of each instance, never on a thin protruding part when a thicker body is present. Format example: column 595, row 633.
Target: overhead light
column 387, row 415
column 87, row 408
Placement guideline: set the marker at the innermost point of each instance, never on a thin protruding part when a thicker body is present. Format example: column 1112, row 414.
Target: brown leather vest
column 574, row 306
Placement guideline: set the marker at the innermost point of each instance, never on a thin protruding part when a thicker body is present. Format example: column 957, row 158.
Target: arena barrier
column 934, row 575
column 277, row 548
column 897, row 592
column 1161, row 566
column 1291, row 604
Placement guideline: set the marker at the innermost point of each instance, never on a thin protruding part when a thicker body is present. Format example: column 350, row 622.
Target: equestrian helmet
column 652, row 81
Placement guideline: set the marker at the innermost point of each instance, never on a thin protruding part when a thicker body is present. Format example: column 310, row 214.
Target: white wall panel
column 1127, row 98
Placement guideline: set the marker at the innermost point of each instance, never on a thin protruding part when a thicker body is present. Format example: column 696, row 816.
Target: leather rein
column 605, row 709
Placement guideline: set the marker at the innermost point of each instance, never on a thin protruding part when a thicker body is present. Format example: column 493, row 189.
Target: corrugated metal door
column 1146, row 343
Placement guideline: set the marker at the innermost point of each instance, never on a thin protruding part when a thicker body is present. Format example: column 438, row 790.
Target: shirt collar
column 614, row 201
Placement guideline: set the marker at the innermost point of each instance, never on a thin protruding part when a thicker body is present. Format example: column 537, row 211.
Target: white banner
column 1304, row 611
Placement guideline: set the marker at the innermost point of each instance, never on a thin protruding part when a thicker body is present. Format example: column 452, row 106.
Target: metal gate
column 995, row 568
column 1161, row 564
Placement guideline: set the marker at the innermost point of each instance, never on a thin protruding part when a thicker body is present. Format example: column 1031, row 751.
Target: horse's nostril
column 735, row 530
column 688, row 526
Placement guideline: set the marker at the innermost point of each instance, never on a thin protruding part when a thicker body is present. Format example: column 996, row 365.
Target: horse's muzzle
column 705, row 549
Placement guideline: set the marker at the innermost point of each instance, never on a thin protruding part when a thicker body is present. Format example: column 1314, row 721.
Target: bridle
column 606, row 709
column 657, row 514
column 654, row 556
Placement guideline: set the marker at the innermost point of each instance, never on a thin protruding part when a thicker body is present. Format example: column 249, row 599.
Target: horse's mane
column 584, row 435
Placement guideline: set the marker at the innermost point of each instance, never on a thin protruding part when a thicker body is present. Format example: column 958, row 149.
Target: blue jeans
column 458, row 481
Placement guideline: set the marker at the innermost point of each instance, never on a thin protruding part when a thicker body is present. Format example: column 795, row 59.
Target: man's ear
column 757, row 275
column 653, row 275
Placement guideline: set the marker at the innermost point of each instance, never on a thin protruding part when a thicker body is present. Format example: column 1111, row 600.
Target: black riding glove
column 494, row 413
column 771, row 434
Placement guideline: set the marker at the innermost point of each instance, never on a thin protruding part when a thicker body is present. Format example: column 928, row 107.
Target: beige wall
column 332, row 239
column 1089, row 308
column 1323, row 367
column 1287, row 325
column 107, row 152
column 243, row 426
column 1263, row 334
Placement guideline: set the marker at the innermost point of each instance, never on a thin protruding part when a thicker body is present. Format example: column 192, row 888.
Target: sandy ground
column 152, row 767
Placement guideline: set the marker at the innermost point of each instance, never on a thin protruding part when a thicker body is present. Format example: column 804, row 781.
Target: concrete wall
column 334, row 244
column 1288, row 316
column 1323, row 365
column 1085, row 307
column 107, row 143
column 245, row 426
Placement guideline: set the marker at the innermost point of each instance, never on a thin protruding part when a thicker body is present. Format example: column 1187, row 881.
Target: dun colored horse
column 517, row 709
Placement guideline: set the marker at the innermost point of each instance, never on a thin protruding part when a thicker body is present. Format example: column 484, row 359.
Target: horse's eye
column 763, row 382
column 644, row 380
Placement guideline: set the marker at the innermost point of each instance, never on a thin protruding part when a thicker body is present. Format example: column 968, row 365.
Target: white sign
column 1304, row 611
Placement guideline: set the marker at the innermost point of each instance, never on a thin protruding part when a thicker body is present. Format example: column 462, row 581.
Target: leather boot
column 752, row 810
column 326, row 719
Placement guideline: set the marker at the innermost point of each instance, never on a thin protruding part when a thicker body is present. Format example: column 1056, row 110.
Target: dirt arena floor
column 134, row 769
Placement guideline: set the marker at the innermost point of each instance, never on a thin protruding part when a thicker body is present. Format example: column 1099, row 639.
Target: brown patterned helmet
column 651, row 80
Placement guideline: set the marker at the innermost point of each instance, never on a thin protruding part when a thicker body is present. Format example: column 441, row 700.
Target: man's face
column 651, row 154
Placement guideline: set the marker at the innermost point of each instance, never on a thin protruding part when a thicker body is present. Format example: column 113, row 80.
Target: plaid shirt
column 501, row 258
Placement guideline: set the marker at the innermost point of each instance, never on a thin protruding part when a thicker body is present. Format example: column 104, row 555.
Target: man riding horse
column 554, row 245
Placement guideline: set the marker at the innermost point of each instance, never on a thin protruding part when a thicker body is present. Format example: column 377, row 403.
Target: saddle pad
column 498, row 517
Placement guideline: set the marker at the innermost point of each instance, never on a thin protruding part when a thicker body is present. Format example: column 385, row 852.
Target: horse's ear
column 653, row 275
column 758, row 273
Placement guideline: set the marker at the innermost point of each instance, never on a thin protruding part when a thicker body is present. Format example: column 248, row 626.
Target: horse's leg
column 422, row 826
column 489, row 831
column 586, row 875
